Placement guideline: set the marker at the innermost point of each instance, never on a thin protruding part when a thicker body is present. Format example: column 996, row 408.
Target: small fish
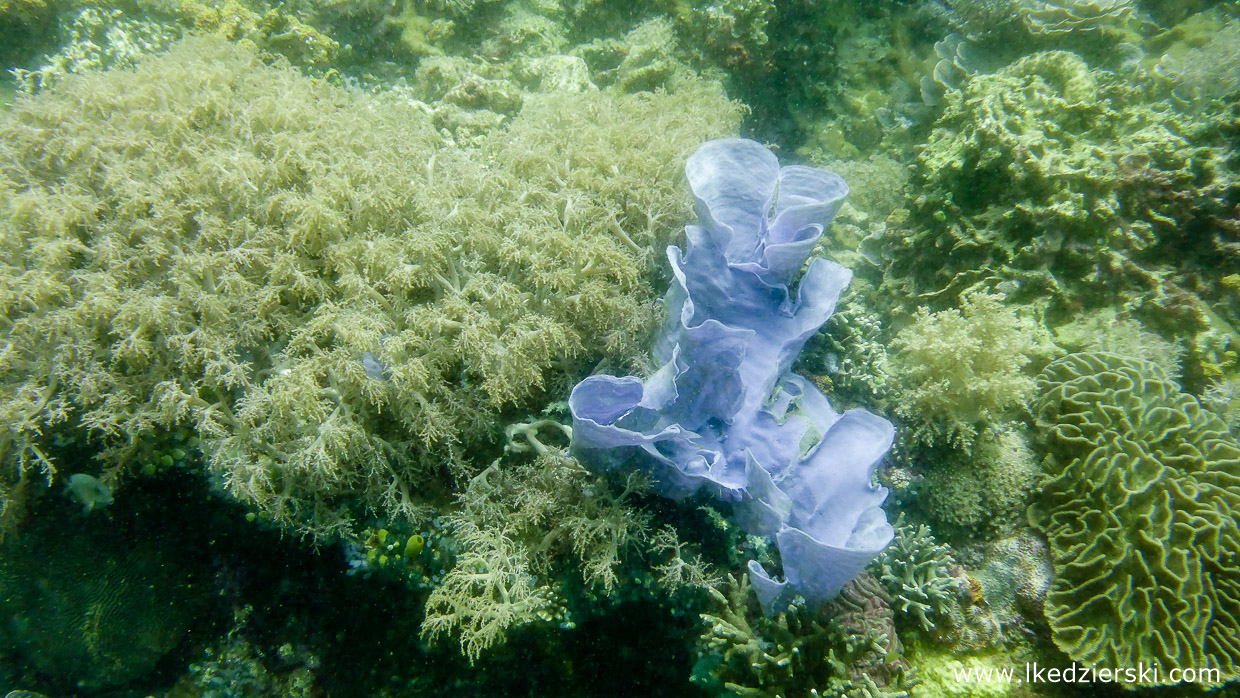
column 89, row 491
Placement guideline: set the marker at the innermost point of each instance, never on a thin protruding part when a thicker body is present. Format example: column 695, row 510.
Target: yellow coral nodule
column 414, row 545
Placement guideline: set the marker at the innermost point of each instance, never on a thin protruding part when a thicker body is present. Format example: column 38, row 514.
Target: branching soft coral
column 488, row 592
column 337, row 300
column 560, row 511
column 518, row 525
column 848, row 649
column 962, row 369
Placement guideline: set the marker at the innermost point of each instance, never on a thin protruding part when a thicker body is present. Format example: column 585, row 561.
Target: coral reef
column 525, row 30
column 516, row 527
column 559, row 509
column 275, row 30
column 849, row 359
column 1141, row 514
column 1056, row 17
column 22, row 9
column 333, row 297
column 1016, row 578
column 1203, row 70
column 644, row 59
column 957, row 61
column 732, row 33
column 94, row 606
column 849, row 75
column 236, row 666
column 961, row 370
column 97, row 38
column 990, row 22
column 1223, row 398
column 490, row 590
column 337, row 263
column 1108, row 331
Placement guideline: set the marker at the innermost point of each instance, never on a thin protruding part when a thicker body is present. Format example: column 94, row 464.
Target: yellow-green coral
column 23, row 9
column 1052, row 178
column 961, row 369
column 1108, row 331
column 849, row 649
column 1141, row 514
column 1057, row 17
column 915, row 570
column 335, row 298
column 557, row 508
column 490, row 591
column 515, row 525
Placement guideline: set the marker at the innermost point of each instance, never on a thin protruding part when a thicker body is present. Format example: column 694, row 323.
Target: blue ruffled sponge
column 724, row 414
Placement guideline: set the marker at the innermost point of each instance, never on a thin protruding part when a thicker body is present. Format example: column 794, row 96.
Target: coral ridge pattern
column 1140, row 511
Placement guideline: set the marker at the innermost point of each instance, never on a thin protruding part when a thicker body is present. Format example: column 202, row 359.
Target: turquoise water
column 294, row 297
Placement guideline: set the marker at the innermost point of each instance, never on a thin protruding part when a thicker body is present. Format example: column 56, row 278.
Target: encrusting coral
column 983, row 491
column 334, row 298
column 1140, row 511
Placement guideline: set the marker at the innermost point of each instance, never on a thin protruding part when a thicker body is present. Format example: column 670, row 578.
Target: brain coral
column 1140, row 512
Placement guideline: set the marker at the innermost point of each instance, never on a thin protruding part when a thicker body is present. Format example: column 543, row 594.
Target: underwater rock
column 1141, row 515
column 93, row 607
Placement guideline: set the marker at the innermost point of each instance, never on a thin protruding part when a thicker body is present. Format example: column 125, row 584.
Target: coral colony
column 724, row 414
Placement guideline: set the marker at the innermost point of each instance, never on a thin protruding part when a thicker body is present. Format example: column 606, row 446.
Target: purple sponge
column 724, row 414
